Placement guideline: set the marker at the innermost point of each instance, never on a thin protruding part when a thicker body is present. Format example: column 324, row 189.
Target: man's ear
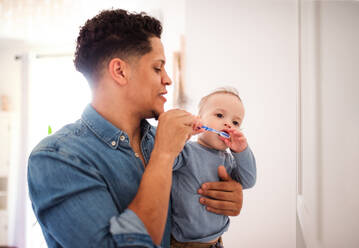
column 118, row 70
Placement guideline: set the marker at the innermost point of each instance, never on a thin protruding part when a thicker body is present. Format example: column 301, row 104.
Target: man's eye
column 236, row 123
column 158, row 69
column 219, row 115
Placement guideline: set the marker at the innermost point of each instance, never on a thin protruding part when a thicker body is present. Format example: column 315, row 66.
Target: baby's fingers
column 227, row 142
column 235, row 133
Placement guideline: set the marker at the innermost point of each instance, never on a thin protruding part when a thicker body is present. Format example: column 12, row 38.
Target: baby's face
column 221, row 111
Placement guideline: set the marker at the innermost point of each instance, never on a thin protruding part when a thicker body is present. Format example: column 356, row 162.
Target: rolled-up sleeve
column 128, row 230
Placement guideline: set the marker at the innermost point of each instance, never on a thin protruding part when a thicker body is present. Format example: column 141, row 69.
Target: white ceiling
column 55, row 21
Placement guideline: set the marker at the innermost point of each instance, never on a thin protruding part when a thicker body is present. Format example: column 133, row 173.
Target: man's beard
column 155, row 115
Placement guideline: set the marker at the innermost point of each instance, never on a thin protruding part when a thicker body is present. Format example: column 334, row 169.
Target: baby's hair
column 222, row 90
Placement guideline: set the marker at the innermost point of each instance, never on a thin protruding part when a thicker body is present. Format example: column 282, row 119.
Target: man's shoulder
column 68, row 135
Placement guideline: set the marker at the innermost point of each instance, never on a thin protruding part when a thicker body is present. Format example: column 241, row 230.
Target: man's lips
column 162, row 96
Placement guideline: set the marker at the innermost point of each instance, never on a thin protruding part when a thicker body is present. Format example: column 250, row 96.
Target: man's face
column 221, row 111
column 148, row 81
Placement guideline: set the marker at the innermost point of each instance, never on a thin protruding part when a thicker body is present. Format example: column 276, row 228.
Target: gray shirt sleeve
column 182, row 157
column 244, row 168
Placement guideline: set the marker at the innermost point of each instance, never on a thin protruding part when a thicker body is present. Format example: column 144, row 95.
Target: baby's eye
column 236, row 123
column 219, row 115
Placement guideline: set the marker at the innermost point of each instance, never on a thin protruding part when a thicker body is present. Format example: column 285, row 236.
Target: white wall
column 253, row 45
column 173, row 28
column 300, row 243
column 10, row 84
column 10, row 70
column 328, row 201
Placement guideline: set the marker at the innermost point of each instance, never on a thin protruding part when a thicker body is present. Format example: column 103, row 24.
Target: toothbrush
column 223, row 134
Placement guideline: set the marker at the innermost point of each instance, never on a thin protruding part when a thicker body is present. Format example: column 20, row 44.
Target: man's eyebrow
column 161, row 61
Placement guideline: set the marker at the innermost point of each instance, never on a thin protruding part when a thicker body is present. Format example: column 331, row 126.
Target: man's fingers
column 197, row 126
column 183, row 116
column 219, row 205
column 222, row 173
column 222, row 212
column 221, row 186
column 215, row 194
column 188, row 120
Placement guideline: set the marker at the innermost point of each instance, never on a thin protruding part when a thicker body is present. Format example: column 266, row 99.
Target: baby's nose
column 227, row 125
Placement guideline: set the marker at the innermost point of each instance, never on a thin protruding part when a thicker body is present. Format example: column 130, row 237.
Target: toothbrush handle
column 223, row 134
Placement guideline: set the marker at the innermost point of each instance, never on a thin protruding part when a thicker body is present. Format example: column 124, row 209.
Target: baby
column 198, row 162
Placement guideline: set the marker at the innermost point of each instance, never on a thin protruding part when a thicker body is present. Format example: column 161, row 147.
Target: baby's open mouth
column 224, row 131
column 224, row 134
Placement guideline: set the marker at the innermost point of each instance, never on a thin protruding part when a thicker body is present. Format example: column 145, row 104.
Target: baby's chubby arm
column 245, row 170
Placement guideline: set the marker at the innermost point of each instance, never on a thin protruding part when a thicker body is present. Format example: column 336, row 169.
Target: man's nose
column 166, row 79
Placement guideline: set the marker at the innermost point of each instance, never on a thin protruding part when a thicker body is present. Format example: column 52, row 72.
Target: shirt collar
column 104, row 129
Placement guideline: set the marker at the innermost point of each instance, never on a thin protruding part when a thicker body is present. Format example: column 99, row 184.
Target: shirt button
column 122, row 138
column 136, row 154
column 113, row 143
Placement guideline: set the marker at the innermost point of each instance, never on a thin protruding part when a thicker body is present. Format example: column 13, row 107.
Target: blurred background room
column 295, row 64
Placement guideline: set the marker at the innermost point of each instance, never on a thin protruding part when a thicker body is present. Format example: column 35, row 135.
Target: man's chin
column 156, row 114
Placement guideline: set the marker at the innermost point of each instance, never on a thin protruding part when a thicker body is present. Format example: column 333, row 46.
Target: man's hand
column 175, row 127
column 225, row 197
column 197, row 126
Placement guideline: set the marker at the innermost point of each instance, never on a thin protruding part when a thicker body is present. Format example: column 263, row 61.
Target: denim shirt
column 82, row 179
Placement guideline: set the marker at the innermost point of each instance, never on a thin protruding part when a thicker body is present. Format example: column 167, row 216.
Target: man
column 105, row 180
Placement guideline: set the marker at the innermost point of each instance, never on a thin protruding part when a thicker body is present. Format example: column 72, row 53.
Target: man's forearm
column 151, row 201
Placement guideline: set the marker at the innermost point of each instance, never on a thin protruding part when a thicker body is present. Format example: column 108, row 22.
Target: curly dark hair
column 110, row 34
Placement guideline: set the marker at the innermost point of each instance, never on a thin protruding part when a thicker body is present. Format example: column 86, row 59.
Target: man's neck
column 111, row 102
column 121, row 118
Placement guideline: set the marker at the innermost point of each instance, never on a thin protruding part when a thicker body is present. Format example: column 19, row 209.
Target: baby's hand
column 237, row 141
